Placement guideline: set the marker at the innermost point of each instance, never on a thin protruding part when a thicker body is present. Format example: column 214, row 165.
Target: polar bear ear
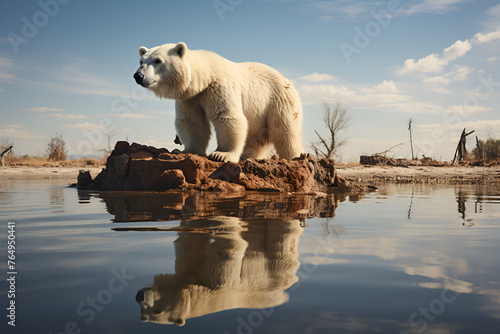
column 143, row 50
column 181, row 49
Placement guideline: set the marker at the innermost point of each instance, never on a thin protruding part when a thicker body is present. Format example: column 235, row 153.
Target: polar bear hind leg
column 285, row 126
column 256, row 150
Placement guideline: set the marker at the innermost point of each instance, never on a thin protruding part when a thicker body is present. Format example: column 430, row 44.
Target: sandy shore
column 370, row 174
column 422, row 174
column 31, row 173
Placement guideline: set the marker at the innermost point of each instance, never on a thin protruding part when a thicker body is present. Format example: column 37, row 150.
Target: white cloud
column 434, row 63
column 98, row 127
column 45, row 109
column 349, row 9
column 64, row 116
column 466, row 110
column 386, row 86
column 440, row 90
column 432, row 6
column 458, row 49
column 481, row 38
column 429, row 64
column 325, row 93
column 84, row 126
column 382, row 96
column 461, row 73
column 17, row 131
column 128, row 115
column 492, row 17
column 316, row 77
column 484, row 126
column 492, row 59
column 437, row 83
column 437, row 80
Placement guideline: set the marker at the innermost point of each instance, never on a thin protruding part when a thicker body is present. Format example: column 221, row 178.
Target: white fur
column 250, row 105
column 250, row 265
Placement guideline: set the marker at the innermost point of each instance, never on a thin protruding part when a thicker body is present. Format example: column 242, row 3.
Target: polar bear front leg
column 192, row 126
column 231, row 129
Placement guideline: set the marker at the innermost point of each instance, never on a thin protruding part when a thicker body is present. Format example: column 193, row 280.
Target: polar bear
column 250, row 105
column 239, row 263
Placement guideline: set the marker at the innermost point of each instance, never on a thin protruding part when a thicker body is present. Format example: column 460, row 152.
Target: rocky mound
column 140, row 167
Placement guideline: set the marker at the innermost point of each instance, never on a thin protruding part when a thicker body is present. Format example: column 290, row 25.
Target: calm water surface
column 416, row 259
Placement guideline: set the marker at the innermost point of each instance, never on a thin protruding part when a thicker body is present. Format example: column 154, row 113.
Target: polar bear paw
column 223, row 156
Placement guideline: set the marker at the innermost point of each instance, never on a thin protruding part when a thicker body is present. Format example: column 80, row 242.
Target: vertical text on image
column 11, row 273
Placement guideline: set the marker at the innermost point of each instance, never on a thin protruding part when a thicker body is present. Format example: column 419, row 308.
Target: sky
column 66, row 67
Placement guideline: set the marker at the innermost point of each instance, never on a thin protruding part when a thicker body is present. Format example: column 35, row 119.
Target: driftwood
column 389, row 149
column 4, row 153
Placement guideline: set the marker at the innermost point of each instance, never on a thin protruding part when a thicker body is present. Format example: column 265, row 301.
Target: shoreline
column 421, row 174
column 69, row 173
column 361, row 174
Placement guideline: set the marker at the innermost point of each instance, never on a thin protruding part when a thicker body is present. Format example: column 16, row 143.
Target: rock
column 141, row 155
column 120, row 148
column 120, row 164
column 171, row 179
column 84, row 180
column 140, row 167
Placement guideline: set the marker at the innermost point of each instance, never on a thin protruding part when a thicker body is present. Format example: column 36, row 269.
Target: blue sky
column 434, row 61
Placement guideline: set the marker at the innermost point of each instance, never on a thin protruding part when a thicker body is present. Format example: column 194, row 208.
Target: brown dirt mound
column 140, row 167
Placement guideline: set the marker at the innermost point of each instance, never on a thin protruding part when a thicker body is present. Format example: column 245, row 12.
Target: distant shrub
column 56, row 148
column 488, row 150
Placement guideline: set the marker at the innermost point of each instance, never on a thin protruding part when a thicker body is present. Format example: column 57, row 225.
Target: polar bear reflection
column 245, row 264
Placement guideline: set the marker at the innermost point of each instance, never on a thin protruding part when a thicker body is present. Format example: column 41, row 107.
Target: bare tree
column 110, row 134
column 410, row 121
column 56, row 148
column 6, row 150
column 336, row 120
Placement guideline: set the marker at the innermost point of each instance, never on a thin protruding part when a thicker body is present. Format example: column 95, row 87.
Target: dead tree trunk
column 4, row 153
column 411, row 139
column 480, row 152
column 461, row 150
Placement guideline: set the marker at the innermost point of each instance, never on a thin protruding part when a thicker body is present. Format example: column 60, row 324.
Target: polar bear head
column 164, row 70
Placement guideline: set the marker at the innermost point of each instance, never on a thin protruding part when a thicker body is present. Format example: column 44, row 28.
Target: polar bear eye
column 140, row 61
column 157, row 61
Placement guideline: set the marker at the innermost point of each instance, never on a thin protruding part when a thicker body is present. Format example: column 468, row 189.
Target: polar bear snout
column 139, row 78
column 145, row 76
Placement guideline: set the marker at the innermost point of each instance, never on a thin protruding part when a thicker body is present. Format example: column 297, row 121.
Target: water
column 416, row 259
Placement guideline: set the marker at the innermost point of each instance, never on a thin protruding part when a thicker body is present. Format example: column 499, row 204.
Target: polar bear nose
column 139, row 78
column 139, row 297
